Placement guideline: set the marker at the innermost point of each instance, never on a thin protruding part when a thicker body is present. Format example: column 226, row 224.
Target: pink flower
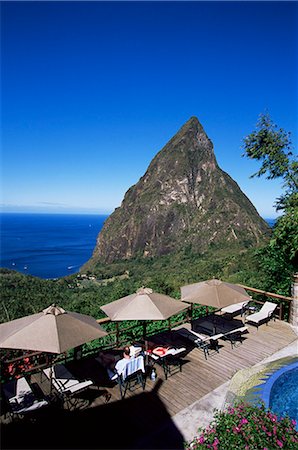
column 202, row 440
column 279, row 443
column 243, row 421
column 236, row 430
column 273, row 417
column 294, row 423
column 274, row 430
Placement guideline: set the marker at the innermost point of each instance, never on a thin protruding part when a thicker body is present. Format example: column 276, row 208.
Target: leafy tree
column 272, row 146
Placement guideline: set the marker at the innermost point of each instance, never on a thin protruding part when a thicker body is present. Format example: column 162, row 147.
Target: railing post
column 293, row 319
column 280, row 311
column 169, row 323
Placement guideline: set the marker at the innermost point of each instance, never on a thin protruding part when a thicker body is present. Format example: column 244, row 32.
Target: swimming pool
column 280, row 392
column 276, row 384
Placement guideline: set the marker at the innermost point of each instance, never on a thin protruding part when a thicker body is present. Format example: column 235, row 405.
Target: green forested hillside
column 23, row 295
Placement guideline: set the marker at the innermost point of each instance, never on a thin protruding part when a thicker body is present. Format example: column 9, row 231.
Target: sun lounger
column 237, row 308
column 167, row 358
column 21, row 398
column 64, row 382
column 264, row 315
column 202, row 341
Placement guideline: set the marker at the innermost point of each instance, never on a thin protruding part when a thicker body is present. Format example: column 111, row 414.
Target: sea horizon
column 51, row 245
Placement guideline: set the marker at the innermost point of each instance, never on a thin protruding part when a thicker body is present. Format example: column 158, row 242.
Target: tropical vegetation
column 278, row 260
column 246, row 427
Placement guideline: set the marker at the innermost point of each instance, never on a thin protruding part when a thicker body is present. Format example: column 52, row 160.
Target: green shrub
column 246, row 427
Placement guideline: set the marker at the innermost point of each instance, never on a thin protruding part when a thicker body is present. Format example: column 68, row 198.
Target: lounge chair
column 235, row 309
column 167, row 358
column 264, row 315
column 21, row 398
column 129, row 374
column 202, row 341
column 64, row 382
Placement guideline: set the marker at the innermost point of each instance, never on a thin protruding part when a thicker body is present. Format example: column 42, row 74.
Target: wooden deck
column 141, row 412
column 200, row 376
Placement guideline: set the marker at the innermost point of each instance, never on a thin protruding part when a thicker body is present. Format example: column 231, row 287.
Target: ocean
column 50, row 245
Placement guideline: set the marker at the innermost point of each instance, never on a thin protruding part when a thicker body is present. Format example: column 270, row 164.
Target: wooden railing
column 265, row 294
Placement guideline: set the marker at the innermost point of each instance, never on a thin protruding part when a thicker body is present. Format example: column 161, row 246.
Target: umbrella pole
column 190, row 312
column 51, row 377
column 146, row 343
column 52, row 374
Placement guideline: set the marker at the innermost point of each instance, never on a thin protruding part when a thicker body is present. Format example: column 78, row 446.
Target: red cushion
column 159, row 351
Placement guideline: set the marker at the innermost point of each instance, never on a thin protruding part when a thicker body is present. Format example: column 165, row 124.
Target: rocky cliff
column 184, row 200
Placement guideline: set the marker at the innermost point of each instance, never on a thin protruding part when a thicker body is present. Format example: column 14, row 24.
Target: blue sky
column 91, row 91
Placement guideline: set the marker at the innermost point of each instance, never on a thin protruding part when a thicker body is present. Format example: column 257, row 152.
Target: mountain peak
column 192, row 125
column 193, row 121
column 183, row 200
column 188, row 149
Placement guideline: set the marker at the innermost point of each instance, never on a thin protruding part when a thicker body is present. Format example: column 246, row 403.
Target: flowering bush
column 247, row 427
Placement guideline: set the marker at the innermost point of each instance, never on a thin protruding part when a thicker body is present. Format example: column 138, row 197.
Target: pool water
column 284, row 395
column 280, row 392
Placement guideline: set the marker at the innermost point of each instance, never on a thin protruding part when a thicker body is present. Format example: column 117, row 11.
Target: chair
column 202, row 341
column 237, row 308
column 129, row 374
column 167, row 357
column 21, row 398
column 63, row 381
column 264, row 315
